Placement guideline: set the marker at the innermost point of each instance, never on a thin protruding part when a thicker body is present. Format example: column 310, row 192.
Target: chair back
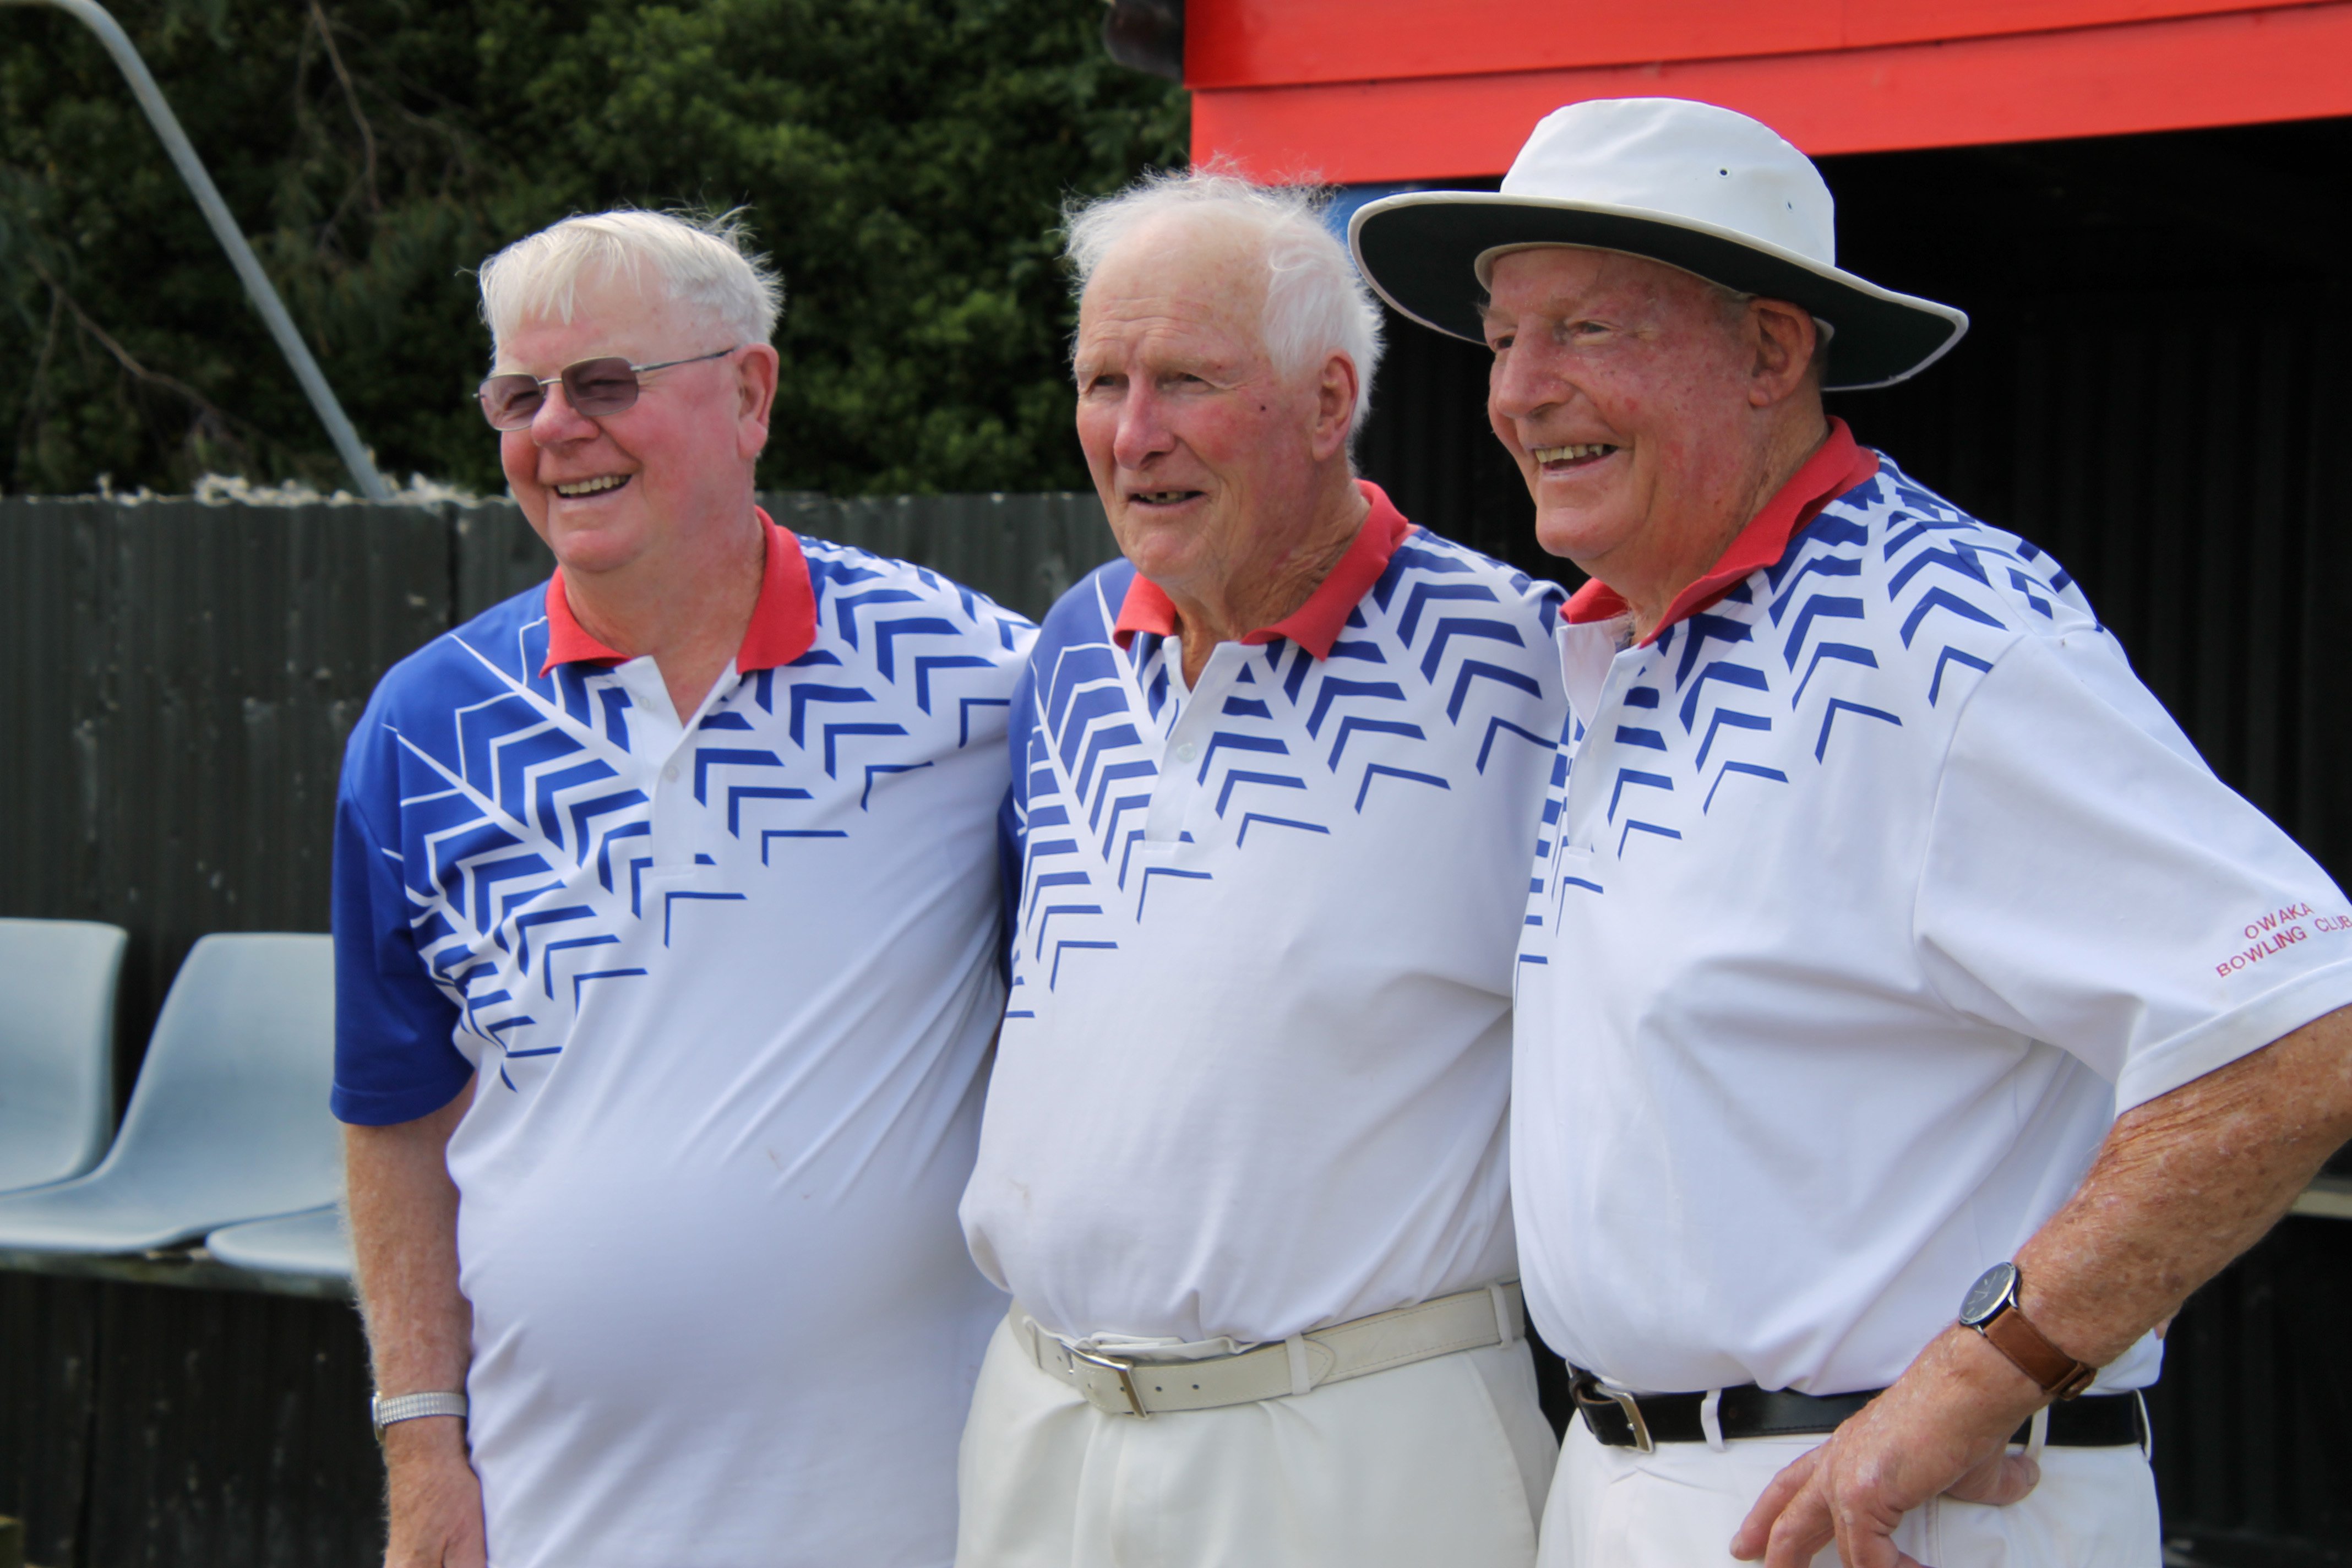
column 230, row 1113
column 58, row 986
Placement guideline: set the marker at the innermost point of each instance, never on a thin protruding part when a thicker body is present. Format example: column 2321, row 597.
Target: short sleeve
column 2088, row 882
column 393, row 1057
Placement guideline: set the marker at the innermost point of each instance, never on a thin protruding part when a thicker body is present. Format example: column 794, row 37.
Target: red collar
column 784, row 621
column 1315, row 625
column 1837, row 468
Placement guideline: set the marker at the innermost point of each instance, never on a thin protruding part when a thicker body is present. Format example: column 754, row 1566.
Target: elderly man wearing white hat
column 1907, row 1019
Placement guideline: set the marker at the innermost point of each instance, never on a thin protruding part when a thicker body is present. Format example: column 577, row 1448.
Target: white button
column 1187, row 752
column 670, row 773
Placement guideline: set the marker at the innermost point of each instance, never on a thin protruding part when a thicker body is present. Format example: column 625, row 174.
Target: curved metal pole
column 240, row 255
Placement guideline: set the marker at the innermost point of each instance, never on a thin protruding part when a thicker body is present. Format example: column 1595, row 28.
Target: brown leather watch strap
column 2012, row 1333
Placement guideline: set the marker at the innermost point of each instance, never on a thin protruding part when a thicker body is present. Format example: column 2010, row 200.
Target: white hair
column 1316, row 305
column 701, row 261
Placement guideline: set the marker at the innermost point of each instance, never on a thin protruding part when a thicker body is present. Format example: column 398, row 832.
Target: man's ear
column 755, row 397
column 1785, row 342
column 1336, row 392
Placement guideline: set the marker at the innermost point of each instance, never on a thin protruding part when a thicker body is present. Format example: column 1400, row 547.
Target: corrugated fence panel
column 49, row 1410
column 229, row 1429
column 176, row 685
column 179, row 682
column 495, row 555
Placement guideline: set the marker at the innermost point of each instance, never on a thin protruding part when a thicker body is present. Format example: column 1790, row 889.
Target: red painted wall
column 1369, row 91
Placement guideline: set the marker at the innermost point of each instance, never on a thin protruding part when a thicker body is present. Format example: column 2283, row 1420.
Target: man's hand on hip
column 1943, row 1429
column 2183, row 1184
column 435, row 1498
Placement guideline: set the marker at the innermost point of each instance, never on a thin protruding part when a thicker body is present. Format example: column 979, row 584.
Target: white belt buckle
column 1122, row 1378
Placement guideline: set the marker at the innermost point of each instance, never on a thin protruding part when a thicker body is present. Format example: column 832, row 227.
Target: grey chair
column 228, row 1120
column 58, row 983
column 312, row 1243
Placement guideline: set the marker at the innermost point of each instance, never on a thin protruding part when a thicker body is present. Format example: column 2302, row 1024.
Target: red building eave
column 1368, row 92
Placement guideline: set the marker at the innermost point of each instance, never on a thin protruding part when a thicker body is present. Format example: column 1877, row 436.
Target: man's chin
column 1164, row 542
column 1577, row 534
column 592, row 544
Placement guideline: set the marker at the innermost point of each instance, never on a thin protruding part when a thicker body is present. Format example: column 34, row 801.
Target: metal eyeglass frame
column 480, row 393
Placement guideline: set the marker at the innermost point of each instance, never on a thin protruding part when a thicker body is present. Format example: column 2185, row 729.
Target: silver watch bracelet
column 398, row 1407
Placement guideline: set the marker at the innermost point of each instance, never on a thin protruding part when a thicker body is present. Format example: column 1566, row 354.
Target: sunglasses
column 594, row 388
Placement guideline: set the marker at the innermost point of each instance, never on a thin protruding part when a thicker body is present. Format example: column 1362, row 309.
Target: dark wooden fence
column 176, row 683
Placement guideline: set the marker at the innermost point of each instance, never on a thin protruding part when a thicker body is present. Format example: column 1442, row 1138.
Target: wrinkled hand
column 1943, row 1427
column 435, row 1498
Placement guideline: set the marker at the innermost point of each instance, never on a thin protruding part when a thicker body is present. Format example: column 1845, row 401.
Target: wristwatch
column 1991, row 1310
column 383, row 1411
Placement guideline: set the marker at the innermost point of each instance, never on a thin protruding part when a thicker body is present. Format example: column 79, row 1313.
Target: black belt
column 2095, row 1421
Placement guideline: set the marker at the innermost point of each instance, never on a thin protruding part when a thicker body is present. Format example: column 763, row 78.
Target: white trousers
column 1676, row 1508
column 1440, row 1464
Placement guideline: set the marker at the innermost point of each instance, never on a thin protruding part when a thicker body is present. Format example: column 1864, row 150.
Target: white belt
column 1133, row 1386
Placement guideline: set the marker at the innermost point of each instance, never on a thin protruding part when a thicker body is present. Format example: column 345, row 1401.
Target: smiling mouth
column 1159, row 497
column 597, row 485
column 1564, row 459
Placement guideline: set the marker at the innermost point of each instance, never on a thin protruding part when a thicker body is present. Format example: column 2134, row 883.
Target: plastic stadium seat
column 312, row 1243
column 228, row 1120
column 57, row 981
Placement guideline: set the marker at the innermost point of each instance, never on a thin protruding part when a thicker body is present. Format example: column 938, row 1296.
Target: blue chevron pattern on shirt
column 1879, row 616
column 513, row 819
column 1444, row 667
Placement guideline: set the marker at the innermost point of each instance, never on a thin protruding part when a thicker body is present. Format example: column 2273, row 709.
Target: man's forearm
column 403, row 1212
column 2183, row 1184
column 404, row 1209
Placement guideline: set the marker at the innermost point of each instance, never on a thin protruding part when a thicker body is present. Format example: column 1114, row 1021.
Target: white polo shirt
column 1255, row 1062
column 1869, row 892
column 726, row 987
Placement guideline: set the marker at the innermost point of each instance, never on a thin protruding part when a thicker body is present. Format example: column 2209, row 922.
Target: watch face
column 1985, row 1297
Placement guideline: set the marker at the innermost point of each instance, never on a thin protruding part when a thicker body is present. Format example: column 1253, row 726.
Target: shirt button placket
column 672, row 816
column 1591, row 756
column 1172, row 802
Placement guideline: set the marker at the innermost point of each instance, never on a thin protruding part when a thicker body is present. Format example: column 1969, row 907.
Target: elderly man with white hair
column 666, row 936
column 1910, row 1019
column 1275, row 777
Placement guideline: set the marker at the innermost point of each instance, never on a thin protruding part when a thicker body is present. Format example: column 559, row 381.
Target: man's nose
column 1522, row 381
column 1143, row 432
column 557, row 421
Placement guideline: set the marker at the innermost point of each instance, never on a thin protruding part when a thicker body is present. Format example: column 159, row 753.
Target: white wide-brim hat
column 1691, row 184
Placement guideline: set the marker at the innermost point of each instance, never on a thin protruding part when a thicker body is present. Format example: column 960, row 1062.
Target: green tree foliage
column 903, row 161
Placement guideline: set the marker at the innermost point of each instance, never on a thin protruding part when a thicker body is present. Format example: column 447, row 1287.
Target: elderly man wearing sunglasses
column 665, row 920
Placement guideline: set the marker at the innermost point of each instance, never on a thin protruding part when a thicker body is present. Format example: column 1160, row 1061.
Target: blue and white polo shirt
column 724, row 988
column 1255, row 1062
column 1870, row 889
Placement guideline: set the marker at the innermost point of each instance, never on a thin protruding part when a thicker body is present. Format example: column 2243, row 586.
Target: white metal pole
column 240, row 255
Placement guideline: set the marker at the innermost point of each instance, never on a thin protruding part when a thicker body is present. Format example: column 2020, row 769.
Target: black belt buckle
column 1593, row 1395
